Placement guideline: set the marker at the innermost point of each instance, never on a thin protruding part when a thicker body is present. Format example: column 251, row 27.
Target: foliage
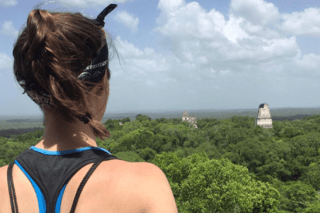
column 311, row 176
column 299, row 196
column 203, row 185
column 227, row 165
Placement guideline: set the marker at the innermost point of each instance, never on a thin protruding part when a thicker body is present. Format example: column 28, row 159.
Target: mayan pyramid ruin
column 191, row 119
column 264, row 116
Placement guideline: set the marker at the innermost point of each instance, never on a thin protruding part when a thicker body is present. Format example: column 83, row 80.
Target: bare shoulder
column 129, row 186
column 151, row 187
column 3, row 175
column 3, row 169
column 3, row 185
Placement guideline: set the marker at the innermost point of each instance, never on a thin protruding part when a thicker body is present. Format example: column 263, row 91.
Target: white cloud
column 260, row 31
column 208, row 40
column 126, row 49
column 280, row 48
column 206, row 46
column 104, row 2
column 128, row 20
column 146, row 64
column 306, row 22
column 5, row 61
column 258, row 12
column 232, row 30
column 168, row 9
column 8, row 3
column 74, row 6
column 309, row 62
column 8, row 29
column 191, row 21
column 172, row 5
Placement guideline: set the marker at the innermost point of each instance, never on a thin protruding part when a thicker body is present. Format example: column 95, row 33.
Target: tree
column 243, row 122
column 312, row 176
column 203, row 185
column 252, row 153
column 125, row 120
column 299, row 195
column 141, row 118
column 131, row 126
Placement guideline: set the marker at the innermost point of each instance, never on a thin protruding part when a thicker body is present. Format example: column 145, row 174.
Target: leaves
column 227, row 166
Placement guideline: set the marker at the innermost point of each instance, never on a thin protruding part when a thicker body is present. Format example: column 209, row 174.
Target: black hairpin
column 85, row 118
column 104, row 13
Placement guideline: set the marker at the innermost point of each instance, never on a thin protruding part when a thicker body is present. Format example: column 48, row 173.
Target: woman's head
column 52, row 50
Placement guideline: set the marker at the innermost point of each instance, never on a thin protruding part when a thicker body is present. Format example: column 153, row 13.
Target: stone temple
column 191, row 119
column 264, row 116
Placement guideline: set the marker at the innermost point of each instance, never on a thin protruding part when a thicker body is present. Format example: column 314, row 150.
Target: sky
column 189, row 55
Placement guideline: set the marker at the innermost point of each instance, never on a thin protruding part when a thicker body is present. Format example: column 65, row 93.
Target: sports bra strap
column 84, row 181
column 14, row 207
column 12, row 194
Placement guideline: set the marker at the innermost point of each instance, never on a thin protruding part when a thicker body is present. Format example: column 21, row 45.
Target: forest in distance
column 224, row 165
column 11, row 132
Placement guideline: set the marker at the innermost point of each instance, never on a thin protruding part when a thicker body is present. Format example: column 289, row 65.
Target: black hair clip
column 85, row 118
column 100, row 19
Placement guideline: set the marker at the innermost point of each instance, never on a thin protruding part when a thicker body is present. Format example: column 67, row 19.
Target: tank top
column 50, row 171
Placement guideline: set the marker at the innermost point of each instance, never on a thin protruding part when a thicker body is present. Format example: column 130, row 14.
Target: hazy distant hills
column 12, row 127
column 203, row 113
column 11, row 132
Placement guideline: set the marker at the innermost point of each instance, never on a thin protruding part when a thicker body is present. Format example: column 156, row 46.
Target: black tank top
column 50, row 171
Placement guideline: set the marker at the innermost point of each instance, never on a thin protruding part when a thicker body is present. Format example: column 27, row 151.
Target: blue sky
column 189, row 55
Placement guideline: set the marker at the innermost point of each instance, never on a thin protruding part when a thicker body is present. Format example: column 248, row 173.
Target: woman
column 61, row 61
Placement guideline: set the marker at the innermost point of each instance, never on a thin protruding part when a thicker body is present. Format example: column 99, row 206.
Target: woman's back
column 61, row 61
column 111, row 188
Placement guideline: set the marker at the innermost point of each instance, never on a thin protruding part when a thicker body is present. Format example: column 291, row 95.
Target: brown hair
column 53, row 49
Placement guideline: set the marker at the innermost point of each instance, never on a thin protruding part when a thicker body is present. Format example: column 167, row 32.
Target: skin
column 60, row 135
